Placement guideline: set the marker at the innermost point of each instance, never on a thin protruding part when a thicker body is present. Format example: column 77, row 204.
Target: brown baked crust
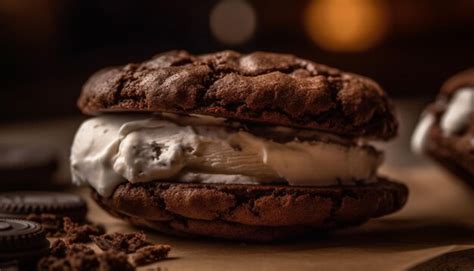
column 260, row 87
column 462, row 79
column 256, row 212
column 454, row 152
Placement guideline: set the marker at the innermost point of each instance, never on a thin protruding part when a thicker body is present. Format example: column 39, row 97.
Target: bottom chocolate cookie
column 250, row 212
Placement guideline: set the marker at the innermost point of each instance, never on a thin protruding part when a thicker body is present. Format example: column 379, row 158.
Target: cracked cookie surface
column 261, row 87
column 257, row 212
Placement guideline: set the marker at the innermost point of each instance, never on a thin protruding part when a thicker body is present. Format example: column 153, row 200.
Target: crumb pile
column 120, row 251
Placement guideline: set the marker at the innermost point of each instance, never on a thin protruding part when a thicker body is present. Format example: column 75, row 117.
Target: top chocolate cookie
column 460, row 80
column 270, row 88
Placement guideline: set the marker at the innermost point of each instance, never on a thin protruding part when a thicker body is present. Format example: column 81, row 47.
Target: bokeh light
column 233, row 22
column 346, row 25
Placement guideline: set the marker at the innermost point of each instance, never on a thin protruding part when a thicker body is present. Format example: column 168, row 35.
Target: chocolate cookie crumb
column 79, row 249
column 150, row 254
column 51, row 263
column 114, row 261
column 76, row 233
column 156, row 269
column 125, row 242
column 61, row 249
column 58, row 249
column 64, row 256
column 52, row 224
column 81, row 261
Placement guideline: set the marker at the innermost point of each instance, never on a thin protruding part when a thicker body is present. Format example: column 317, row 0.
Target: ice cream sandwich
column 258, row 146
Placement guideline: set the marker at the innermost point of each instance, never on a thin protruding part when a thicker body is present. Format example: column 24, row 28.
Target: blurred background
column 48, row 49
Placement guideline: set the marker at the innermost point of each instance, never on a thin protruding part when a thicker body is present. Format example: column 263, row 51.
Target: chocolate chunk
column 52, row 263
column 82, row 261
column 80, row 233
column 76, row 257
column 58, row 249
column 79, row 249
column 125, row 242
column 76, row 262
column 150, row 254
column 114, row 261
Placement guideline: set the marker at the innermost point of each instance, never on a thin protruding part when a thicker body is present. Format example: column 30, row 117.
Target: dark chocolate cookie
column 251, row 212
column 460, row 80
column 23, row 203
column 269, row 88
column 455, row 153
column 22, row 240
column 449, row 139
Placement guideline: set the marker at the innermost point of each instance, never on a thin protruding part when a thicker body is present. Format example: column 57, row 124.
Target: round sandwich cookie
column 22, row 241
column 23, row 203
column 445, row 131
column 258, row 146
column 250, row 212
column 26, row 166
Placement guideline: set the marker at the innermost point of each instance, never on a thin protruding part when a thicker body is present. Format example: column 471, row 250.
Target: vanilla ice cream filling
column 112, row 149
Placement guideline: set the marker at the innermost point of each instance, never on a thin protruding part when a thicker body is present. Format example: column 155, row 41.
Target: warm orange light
column 346, row 25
